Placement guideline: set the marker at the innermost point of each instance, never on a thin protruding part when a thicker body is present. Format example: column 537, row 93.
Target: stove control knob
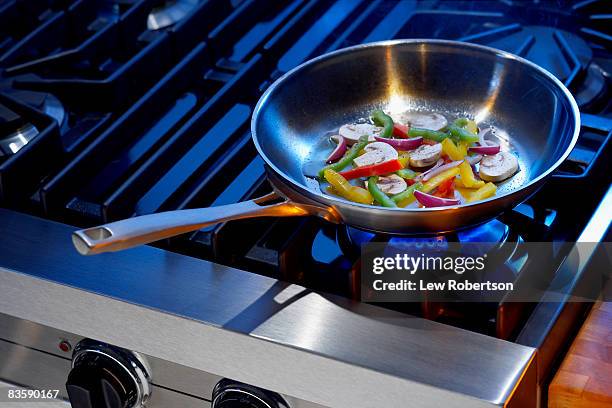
column 104, row 376
column 232, row 394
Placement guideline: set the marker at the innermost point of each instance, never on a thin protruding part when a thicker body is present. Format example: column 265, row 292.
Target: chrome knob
column 232, row 394
column 105, row 376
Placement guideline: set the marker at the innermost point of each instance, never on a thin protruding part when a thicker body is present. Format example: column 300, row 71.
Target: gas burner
column 16, row 140
column 170, row 13
column 493, row 232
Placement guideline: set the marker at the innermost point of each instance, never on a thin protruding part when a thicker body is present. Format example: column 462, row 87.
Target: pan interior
column 530, row 111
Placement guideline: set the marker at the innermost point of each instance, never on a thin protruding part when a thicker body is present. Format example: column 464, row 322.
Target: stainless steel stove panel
column 216, row 319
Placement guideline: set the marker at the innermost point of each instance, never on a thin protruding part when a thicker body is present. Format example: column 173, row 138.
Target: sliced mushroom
column 498, row 167
column 353, row 131
column 392, row 184
column 422, row 120
column 377, row 152
column 425, row 155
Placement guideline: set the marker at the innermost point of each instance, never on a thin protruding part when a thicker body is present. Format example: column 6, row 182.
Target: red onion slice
column 489, row 149
column 338, row 151
column 429, row 200
column 401, row 144
column 420, row 176
column 438, row 170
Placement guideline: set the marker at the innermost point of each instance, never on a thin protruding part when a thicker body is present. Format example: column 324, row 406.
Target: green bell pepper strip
column 466, row 124
column 462, row 134
column 406, row 173
column 406, row 193
column 348, row 157
column 380, row 118
column 461, row 122
column 434, row 135
column 378, row 195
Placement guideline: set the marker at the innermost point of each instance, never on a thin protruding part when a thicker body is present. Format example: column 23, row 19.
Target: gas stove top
column 111, row 109
column 138, row 118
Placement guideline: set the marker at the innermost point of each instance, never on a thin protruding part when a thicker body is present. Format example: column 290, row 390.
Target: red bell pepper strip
column 446, row 188
column 372, row 170
column 400, row 130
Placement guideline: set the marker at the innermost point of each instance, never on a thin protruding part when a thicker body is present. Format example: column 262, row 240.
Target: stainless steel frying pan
column 534, row 113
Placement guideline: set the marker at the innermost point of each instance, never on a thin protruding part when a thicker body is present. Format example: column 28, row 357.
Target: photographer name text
column 421, row 285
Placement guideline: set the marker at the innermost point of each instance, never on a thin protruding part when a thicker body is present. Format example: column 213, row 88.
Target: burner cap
column 170, row 13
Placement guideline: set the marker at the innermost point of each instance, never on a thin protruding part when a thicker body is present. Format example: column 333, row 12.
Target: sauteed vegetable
column 420, row 159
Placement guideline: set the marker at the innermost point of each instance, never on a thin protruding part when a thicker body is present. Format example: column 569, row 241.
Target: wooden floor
column 585, row 376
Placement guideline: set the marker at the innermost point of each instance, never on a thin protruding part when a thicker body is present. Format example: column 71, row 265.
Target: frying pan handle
column 144, row 229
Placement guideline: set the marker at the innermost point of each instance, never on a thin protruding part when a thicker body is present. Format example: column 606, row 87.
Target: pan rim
column 333, row 200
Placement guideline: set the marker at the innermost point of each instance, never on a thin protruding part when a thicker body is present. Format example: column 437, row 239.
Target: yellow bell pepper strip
column 407, row 196
column 465, row 192
column 348, row 157
column 467, row 176
column 406, row 174
column 332, row 191
column 471, row 127
column 438, row 179
column 451, row 150
column 486, row 191
column 380, row 118
column 463, row 148
column 459, row 183
column 404, row 158
column 346, row 190
column 378, row 169
column 378, row 195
